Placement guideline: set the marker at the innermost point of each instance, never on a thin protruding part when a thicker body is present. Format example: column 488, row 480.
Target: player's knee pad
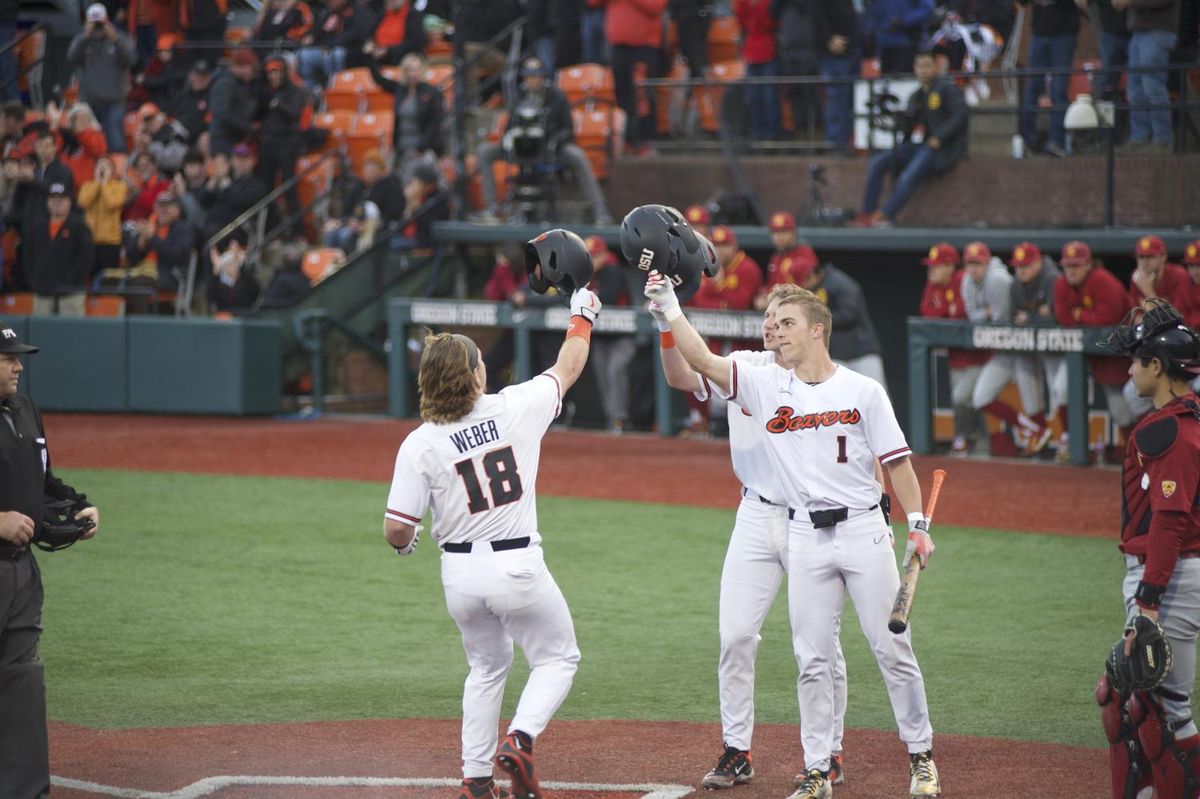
column 1174, row 763
column 1128, row 768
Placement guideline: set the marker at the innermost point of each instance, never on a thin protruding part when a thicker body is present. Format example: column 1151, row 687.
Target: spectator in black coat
column 58, row 255
column 798, row 56
column 281, row 109
column 554, row 29
column 35, row 178
column 692, row 19
column 165, row 240
column 284, row 23
column 939, row 109
column 190, row 106
column 233, row 198
column 419, row 108
column 233, row 102
column 166, row 80
column 288, row 286
column 334, row 43
column 1055, row 28
column 375, row 203
column 839, row 48
column 233, row 287
column 422, row 194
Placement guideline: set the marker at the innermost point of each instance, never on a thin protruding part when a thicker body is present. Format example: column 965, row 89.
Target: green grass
column 221, row 599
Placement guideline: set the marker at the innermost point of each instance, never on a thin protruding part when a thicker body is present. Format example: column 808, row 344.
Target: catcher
column 1145, row 692
column 29, row 492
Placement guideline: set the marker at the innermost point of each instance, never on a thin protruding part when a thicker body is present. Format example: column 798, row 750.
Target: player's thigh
column 1056, row 380
column 816, row 591
column 1029, row 383
column 753, row 571
column 962, row 384
column 995, row 375
column 486, row 643
column 868, row 562
column 534, row 610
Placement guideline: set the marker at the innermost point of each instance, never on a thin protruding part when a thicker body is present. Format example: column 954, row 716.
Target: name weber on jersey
column 475, row 436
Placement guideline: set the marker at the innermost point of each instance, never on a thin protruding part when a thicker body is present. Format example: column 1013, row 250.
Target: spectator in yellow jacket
column 102, row 200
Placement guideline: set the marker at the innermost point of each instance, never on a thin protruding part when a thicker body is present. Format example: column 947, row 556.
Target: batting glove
column 919, row 542
column 416, row 539
column 659, row 289
column 585, row 303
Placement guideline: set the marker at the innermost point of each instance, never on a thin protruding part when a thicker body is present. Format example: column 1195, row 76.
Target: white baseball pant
column 855, row 555
column 755, row 565
column 962, row 391
column 1004, row 368
column 497, row 598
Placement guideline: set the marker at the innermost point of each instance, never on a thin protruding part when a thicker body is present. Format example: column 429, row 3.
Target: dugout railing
column 1073, row 343
column 406, row 316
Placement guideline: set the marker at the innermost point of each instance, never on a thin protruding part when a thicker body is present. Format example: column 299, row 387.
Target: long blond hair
column 446, row 379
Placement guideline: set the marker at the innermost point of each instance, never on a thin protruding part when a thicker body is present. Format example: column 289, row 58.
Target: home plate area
column 279, row 787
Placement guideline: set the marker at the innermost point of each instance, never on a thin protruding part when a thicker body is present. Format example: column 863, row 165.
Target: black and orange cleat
column 515, row 758
column 734, row 767
column 481, row 788
column 837, row 769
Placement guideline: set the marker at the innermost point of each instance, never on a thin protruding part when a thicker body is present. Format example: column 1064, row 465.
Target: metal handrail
column 25, row 34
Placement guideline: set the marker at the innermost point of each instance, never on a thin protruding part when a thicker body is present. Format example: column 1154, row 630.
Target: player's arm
column 908, row 491
column 679, row 375
column 408, row 497
column 572, row 356
column 401, row 535
column 689, row 343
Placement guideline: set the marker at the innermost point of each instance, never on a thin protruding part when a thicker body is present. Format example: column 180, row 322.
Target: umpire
column 26, row 484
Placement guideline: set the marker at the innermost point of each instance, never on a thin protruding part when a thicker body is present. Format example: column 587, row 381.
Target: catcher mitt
column 60, row 528
column 1147, row 665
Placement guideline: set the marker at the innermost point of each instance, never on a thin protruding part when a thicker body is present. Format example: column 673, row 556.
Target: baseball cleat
column 515, row 758
column 814, row 785
column 925, row 782
column 734, row 767
column 837, row 770
column 481, row 788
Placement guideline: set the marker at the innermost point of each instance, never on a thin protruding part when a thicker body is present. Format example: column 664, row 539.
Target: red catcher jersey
column 823, row 439
column 478, row 474
column 1154, row 483
column 1100, row 300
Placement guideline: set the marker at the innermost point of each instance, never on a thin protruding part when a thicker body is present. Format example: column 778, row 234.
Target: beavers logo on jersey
column 1168, row 488
column 785, row 420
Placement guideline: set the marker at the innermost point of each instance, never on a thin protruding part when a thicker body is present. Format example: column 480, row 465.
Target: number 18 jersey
column 477, row 475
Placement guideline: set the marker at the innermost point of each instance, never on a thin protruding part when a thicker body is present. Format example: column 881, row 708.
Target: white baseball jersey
column 478, row 474
column 823, row 438
column 747, row 441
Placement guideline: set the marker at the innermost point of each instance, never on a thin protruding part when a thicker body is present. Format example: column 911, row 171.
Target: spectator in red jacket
column 759, row 52
column 942, row 299
column 1089, row 295
column 792, row 261
column 634, row 29
column 1191, row 262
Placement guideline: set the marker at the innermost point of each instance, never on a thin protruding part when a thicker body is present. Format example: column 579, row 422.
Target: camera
column 526, row 146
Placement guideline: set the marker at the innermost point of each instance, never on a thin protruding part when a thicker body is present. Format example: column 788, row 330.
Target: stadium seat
column 17, row 303
column 317, row 183
column 709, row 97
column 338, row 123
column 320, row 262
column 438, row 49
column 104, row 305
column 596, row 132
column 348, row 90
column 370, row 132
column 723, row 35
column 587, row 83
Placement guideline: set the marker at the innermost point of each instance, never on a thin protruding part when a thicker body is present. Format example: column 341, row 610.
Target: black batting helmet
column 1159, row 333
column 657, row 237
column 558, row 258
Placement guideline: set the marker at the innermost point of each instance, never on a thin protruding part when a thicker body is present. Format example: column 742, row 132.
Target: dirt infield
column 416, row 759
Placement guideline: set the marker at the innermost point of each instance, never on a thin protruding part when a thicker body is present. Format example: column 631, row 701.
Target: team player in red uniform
column 1191, row 262
column 700, row 220
column 1155, row 278
column 942, row 299
column 1089, row 295
column 1153, row 739
column 792, row 261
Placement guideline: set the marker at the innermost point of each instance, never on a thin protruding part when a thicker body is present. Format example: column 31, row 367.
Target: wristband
column 666, row 339
column 916, row 521
column 1149, row 596
column 580, row 327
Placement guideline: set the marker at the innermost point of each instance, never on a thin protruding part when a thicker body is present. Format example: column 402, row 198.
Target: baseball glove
column 60, row 528
column 1147, row 665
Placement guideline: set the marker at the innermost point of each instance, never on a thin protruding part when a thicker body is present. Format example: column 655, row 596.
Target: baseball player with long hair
column 825, row 426
column 755, row 562
column 473, row 462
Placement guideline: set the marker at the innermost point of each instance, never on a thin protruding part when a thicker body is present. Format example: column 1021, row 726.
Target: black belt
column 828, row 517
column 497, row 546
column 12, row 553
column 1182, row 556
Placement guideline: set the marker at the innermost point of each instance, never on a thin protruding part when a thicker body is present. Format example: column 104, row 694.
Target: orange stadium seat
column 587, row 83
column 348, row 90
column 723, row 35
column 709, row 97
column 320, row 262
column 338, row 123
column 438, row 49
column 104, row 305
column 370, row 132
column 318, row 182
column 595, row 132
column 17, row 303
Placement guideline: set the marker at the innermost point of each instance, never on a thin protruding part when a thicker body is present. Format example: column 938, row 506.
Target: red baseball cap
column 1191, row 253
column 1026, row 254
column 1150, row 246
column 977, row 251
column 697, row 215
column 1076, row 253
column 723, row 235
column 595, row 245
column 941, row 254
column 782, row 222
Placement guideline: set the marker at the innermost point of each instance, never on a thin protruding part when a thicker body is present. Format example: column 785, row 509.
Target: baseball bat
column 902, row 607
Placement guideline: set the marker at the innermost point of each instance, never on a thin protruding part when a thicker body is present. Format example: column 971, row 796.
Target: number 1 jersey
column 477, row 475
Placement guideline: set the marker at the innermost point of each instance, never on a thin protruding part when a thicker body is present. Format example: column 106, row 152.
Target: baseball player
column 825, row 426
column 473, row 463
column 793, row 260
column 755, row 562
column 1152, row 736
column 987, row 297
